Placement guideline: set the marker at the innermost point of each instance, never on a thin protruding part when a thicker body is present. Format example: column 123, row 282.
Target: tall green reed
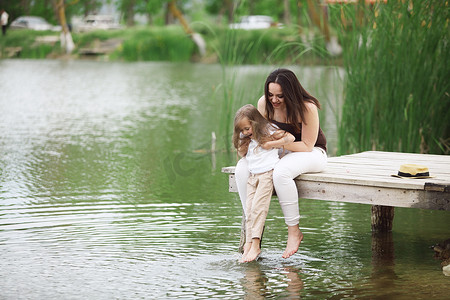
column 272, row 47
column 237, row 48
column 37, row 51
column 157, row 44
column 397, row 87
column 230, row 99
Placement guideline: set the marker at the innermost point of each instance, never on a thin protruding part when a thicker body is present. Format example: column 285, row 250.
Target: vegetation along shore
column 171, row 43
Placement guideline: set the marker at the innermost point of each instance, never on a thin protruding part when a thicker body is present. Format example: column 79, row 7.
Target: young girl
column 258, row 140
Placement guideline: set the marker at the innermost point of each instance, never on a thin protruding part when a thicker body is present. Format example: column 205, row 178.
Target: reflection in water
column 259, row 284
column 255, row 282
column 383, row 264
column 108, row 191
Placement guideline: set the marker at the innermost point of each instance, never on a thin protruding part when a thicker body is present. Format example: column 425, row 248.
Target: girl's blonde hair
column 260, row 126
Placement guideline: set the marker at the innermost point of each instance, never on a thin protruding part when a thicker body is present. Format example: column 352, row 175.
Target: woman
column 288, row 105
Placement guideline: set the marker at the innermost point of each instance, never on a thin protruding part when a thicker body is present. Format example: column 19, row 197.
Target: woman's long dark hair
column 294, row 94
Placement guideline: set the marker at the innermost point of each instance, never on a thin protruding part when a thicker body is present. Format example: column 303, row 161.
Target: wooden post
column 242, row 240
column 382, row 218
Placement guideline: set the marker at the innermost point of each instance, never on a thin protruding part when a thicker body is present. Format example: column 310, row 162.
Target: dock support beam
column 382, row 218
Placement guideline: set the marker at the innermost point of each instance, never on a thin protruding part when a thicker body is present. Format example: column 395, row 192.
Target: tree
column 286, row 13
column 128, row 9
column 90, row 6
column 150, row 8
column 197, row 38
column 220, row 8
column 16, row 9
column 66, row 36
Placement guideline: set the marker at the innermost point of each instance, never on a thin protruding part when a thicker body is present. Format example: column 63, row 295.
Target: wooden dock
column 366, row 178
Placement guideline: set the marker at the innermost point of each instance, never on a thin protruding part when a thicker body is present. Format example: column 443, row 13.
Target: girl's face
column 246, row 127
column 276, row 96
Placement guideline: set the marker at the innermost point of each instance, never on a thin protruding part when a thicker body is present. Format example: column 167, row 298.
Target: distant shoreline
column 169, row 43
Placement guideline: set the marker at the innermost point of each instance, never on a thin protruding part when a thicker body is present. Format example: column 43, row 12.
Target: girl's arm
column 310, row 129
column 282, row 138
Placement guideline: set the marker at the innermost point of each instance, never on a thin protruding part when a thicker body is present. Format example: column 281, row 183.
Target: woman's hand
column 282, row 138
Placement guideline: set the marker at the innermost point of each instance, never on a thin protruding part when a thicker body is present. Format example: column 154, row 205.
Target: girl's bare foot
column 247, row 247
column 254, row 251
column 252, row 255
column 295, row 237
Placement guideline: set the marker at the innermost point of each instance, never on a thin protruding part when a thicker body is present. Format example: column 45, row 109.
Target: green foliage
column 87, row 38
column 272, row 8
column 82, row 7
column 16, row 9
column 38, row 51
column 397, row 87
column 26, row 40
column 170, row 43
column 270, row 46
column 158, row 44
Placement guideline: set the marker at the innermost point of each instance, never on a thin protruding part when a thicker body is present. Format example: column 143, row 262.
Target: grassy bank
column 28, row 43
column 170, row 43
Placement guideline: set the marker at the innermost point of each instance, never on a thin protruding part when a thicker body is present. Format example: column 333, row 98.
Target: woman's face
column 276, row 96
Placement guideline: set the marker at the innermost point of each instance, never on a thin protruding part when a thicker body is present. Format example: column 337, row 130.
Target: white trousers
column 290, row 166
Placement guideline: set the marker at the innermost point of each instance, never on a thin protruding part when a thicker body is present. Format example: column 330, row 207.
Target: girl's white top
column 261, row 160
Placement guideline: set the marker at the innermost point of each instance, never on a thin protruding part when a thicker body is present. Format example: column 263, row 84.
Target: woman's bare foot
column 295, row 237
column 247, row 247
column 254, row 251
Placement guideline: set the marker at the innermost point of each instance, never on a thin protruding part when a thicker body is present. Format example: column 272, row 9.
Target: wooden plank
column 228, row 169
column 232, row 184
column 375, row 168
column 373, row 195
column 380, row 156
column 353, row 179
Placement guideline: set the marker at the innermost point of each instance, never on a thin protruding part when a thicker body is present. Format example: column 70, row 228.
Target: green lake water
column 108, row 191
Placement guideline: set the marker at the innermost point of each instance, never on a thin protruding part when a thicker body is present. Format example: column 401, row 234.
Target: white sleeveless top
column 261, row 160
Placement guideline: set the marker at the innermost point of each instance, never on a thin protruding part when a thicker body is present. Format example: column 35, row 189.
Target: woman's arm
column 262, row 106
column 310, row 131
column 282, row 138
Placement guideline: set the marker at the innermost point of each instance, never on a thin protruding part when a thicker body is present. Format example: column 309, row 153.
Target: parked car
column 34, row 23
column 96, row 22
column 255, row 22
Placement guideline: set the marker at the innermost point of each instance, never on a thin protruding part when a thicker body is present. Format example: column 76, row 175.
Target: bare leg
column 247, row 247
column 253, row 252
column 295, row 237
